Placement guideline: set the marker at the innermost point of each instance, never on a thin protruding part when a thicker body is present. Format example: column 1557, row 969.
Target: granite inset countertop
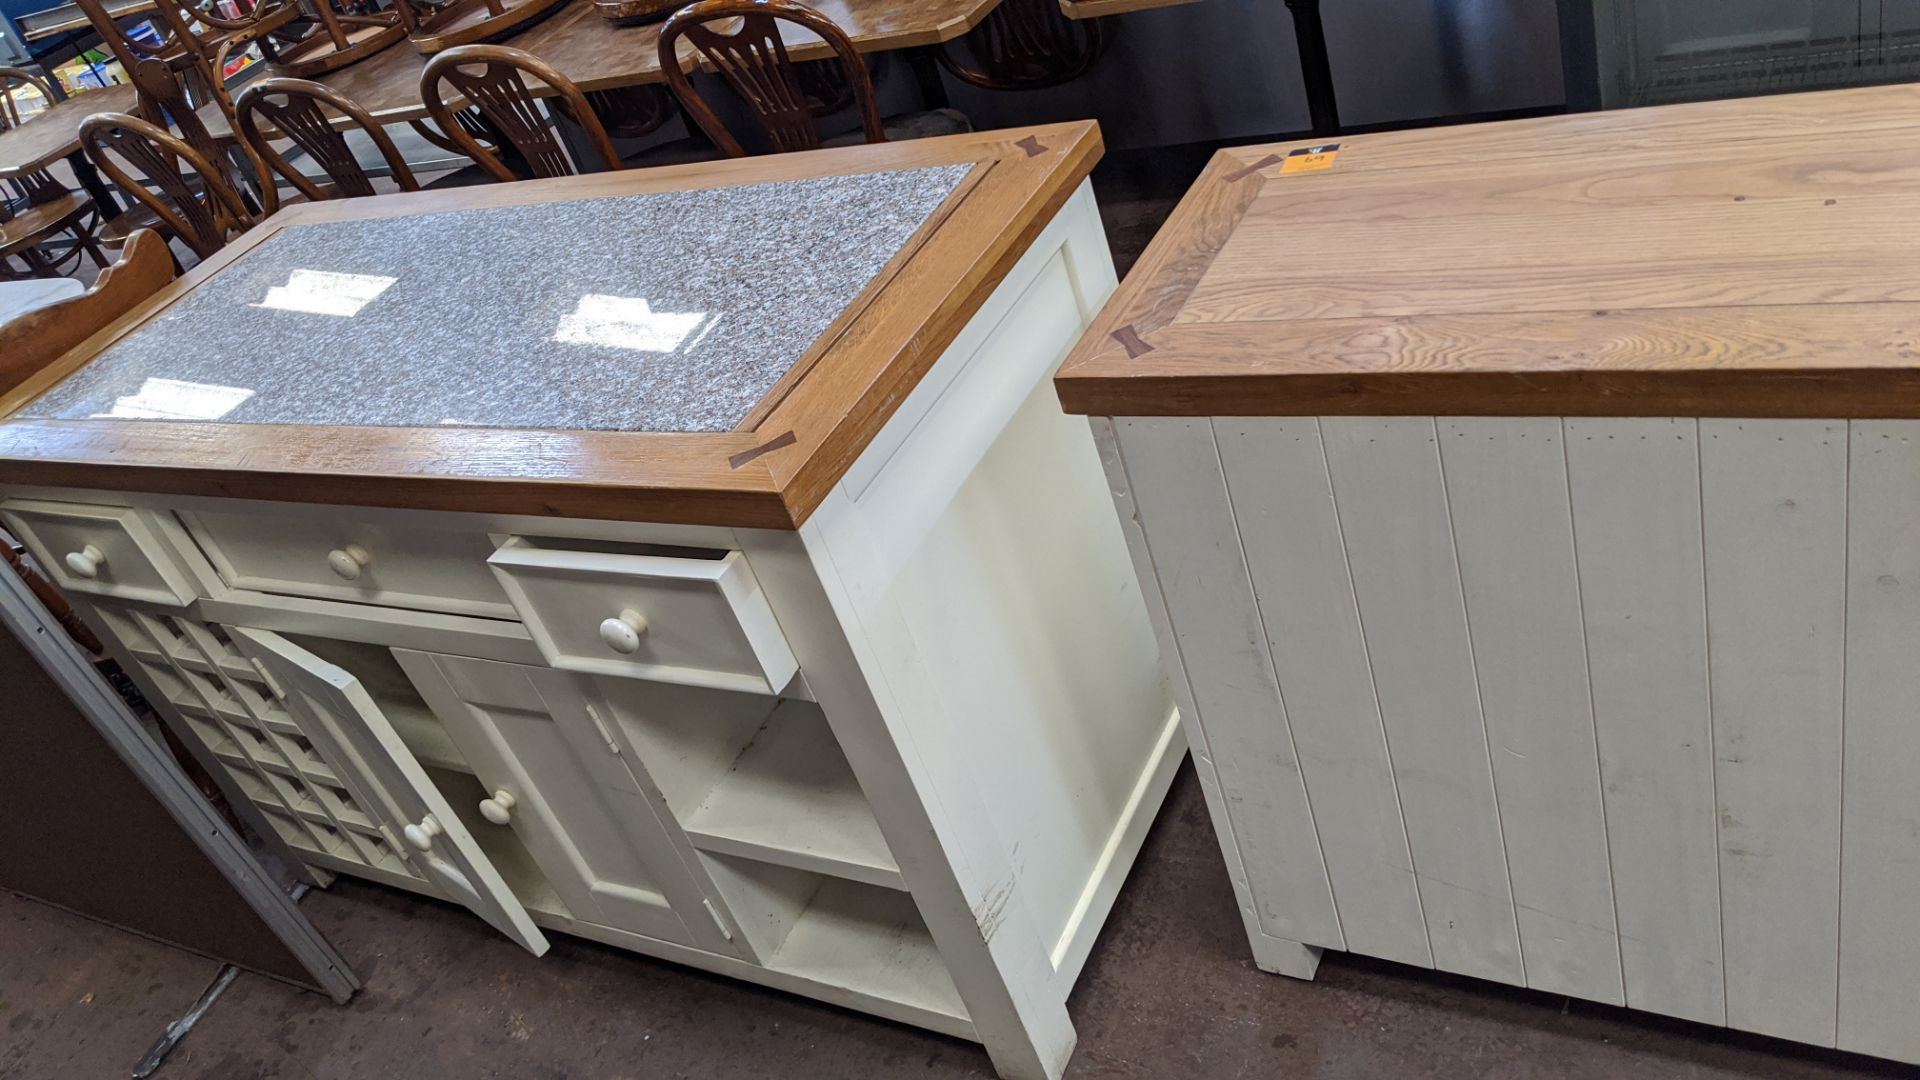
column 676, row 311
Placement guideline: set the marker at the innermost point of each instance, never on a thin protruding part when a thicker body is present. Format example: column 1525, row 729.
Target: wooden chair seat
column 115, row 230
column 37, row 224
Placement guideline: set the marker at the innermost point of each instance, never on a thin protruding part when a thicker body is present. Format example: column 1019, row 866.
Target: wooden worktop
column 770, row 470
column 1755, row 257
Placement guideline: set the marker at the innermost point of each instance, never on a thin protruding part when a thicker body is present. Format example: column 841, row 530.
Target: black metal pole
column 1315, row 69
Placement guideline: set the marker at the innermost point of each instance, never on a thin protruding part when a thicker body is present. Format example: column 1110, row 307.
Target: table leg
column 926, row 72
column 90, row 181
column 1315, row 69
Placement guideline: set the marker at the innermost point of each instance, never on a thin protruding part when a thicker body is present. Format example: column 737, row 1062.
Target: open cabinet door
column 348, row 730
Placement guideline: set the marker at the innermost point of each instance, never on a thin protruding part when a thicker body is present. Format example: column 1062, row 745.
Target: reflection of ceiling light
column 324, row 292
column 171, row 399
column 624, row 322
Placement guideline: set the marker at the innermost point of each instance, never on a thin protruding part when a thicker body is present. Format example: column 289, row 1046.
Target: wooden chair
column 37, row 212
column 12, row 80
column 202, row 210
column 1026, row 45
column 753, row 60
column 186, row 38
column 741, row 40
column 293, row 107
column 40, row 337
column 492, row 79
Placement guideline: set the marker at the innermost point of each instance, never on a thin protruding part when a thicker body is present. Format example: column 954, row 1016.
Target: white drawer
column 102, row 550
column 698, row 618
column 335, row 557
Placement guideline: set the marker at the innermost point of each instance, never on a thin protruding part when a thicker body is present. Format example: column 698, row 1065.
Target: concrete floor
column 1168, row 992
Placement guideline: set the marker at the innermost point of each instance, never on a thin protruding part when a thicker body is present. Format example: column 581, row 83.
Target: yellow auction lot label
column 1310, row 158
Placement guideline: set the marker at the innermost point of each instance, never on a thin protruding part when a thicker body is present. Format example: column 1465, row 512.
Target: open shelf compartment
column 791, row 799
column 861, row 938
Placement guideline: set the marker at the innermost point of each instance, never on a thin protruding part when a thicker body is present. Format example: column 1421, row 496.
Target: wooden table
column 726, row 587
column 598, row 56
column 54, row 133
column 1472, row 433
column 64, row 17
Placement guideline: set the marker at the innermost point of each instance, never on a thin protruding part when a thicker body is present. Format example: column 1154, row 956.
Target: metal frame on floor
column 48, row 644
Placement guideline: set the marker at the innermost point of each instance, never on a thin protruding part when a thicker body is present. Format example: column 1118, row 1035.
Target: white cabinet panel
column 1635, row 487
column 589, row 817
column 1775, row 513
column 341, row 721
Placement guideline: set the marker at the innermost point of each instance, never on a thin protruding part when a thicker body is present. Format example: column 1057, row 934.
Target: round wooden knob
column 347, row 562
column 421, row 835
column 86, row 562
column 498, row 809
column 622, row 635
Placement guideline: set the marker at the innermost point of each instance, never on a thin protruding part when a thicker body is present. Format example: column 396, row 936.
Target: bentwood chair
column 38, row 338
column 740, row 39
column 294, row 109
column 200, row 207
column 42, row 223
column 1026, row 45
column 493, row 80
column 187, row 33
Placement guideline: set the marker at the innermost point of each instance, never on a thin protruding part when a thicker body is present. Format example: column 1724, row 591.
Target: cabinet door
column 596, row 831
column 351, row 734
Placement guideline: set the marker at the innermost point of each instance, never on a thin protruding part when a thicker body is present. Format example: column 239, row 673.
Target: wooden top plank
column 1754, row 257
column 769, row 473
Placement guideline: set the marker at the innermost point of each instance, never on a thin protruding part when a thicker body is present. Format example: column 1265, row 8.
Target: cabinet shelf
column 791, row 799
column 425, row 736
column 871, row 941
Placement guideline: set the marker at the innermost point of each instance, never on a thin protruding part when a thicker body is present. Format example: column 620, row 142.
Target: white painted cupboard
column 1530, row 517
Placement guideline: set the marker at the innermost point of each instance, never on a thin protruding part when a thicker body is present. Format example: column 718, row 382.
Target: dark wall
column 1223, row 69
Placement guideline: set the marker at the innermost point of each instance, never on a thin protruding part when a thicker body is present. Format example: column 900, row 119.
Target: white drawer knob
column 622, row 635
column 86, row 562
column 498, row 809
column 421, row 835
column 349, row 561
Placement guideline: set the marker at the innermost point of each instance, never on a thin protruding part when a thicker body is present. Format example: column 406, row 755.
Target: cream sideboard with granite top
column 691, row 559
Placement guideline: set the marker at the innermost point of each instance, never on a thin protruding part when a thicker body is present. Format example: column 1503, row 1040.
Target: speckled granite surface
column 668, row 312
